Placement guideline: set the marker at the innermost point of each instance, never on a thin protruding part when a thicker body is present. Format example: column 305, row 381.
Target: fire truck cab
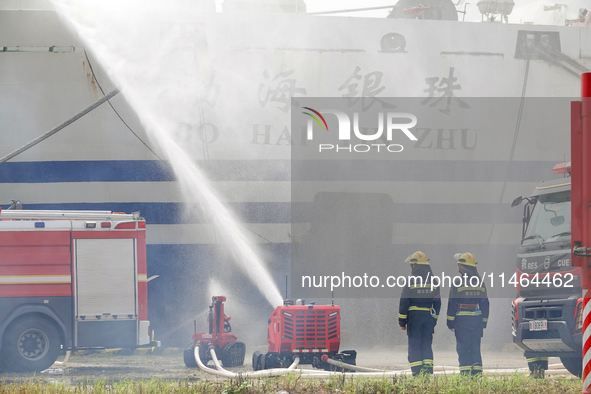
column 70, row 280
column 547, row 316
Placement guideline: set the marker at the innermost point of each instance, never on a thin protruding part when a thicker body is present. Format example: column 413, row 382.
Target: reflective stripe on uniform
column 436, row 317
column 471, row 289
column 468, row 368
column 401, row 316
column 485, row 319
column 427, row 361
column 418, row 308
column 477, row 367
column 451, row 318
column 416, row 363
column 466, row 313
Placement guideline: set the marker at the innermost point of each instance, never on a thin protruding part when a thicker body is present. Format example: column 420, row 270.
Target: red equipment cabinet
column 230, row 352
column 581, row 213
column 562, row 311
column 306, row 331
column 70, row 280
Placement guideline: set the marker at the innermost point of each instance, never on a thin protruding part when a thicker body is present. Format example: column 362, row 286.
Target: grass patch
column 455, row 384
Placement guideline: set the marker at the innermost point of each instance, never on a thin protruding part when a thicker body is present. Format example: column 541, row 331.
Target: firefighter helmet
column 418, row 258
column 466, row 259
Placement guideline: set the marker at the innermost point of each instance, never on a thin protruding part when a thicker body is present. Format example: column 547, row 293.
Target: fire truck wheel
column 189, row 357
column 263, row 360
column 31, row 344
column 256, row 361
column 574, row 365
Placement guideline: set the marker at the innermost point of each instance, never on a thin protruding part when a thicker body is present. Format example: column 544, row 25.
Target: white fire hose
column 295, row 363
column 312, row 373
column 225, row 374
column 66, row 358
column 275, row 371
column 352, row 367
column 220, row 371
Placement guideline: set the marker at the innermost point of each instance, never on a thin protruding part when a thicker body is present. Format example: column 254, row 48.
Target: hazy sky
column 524, row 11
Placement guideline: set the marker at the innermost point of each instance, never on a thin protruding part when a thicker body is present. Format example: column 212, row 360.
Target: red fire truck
column 70, row 280
column 547, row 317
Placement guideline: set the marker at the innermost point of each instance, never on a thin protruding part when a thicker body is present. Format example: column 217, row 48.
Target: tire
column 263, row 360
column 189, row 357
column 256, row 361
column 31, row 344
column 574, row 365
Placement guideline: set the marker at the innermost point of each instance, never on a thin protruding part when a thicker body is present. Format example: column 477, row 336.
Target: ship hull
column 242, row 138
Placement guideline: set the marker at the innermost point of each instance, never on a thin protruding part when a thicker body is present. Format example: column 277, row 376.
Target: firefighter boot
column 538, row 373
column 466, row 370
column 427, row 367
column 476, row 369
column 416, row 367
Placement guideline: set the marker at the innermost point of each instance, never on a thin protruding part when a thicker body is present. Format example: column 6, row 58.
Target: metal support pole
column 585, row 210
column 57, row 128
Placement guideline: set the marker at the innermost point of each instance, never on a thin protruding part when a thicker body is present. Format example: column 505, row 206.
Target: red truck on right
column 550, row 315
column 547, row 316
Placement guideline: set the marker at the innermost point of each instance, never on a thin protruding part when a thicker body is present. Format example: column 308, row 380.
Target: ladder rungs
column 73, row 215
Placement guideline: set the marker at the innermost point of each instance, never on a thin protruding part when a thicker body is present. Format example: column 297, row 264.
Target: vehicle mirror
column 517, row 201
column 557, row 220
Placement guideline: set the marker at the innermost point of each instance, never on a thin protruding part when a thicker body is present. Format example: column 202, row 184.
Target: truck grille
column 311, row 328
column 545, row 313
column 548, row 334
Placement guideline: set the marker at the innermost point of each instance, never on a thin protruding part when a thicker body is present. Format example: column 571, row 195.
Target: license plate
column 538, row 325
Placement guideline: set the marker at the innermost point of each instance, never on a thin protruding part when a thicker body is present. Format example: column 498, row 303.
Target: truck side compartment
column 36, row 275
column 69, row 280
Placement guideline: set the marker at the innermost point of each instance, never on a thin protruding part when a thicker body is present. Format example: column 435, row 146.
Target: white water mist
column 163, row 78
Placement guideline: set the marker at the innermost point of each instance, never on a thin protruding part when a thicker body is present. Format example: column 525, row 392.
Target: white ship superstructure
column 256, row 63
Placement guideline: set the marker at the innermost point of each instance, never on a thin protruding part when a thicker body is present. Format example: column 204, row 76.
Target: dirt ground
column 170, row 365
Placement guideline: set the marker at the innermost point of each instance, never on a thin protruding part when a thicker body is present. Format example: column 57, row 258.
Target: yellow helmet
column 418, row 258
column 466, row 259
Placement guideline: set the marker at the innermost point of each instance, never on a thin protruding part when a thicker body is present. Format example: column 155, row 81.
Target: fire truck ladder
column 68, row 215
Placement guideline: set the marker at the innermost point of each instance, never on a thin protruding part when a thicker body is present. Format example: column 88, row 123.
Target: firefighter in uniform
column 537, row 366
column 419, row 309
column 467, row 314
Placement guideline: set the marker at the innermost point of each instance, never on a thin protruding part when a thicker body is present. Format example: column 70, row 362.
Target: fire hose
column 227, row 374
column 219, row 367
column 220, row 371
column 311, row 373
column 352, row 367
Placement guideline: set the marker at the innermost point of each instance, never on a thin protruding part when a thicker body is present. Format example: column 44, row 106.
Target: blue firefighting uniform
column 418, row 312
column 467, row 315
